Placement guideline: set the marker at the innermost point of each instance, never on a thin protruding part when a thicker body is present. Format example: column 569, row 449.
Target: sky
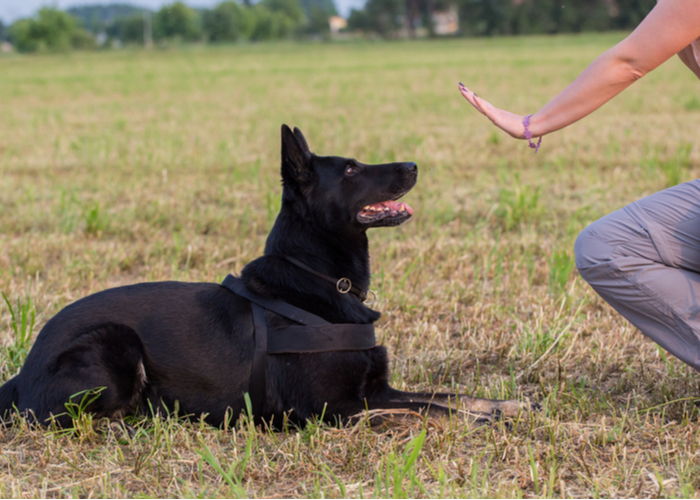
column 11, row 10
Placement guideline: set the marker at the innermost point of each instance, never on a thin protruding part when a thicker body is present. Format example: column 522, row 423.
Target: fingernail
column 475, row 95
column 461, row 84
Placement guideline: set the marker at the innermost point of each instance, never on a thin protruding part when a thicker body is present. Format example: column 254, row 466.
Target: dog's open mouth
column 389, row 213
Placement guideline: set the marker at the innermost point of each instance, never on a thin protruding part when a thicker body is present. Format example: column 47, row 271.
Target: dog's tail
column 9, row 395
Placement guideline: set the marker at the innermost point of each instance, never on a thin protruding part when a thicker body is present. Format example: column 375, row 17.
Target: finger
column 467, row 95
column 485, row 107
column 478, row 102
column 465, row 91
column 470, row 96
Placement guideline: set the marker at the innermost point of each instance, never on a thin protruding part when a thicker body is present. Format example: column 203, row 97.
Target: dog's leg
column 101, row 372
column 380, row 411
column 504, row 407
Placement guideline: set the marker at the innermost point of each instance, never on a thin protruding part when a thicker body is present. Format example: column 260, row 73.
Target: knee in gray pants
column 592, row 249
column 629, row 257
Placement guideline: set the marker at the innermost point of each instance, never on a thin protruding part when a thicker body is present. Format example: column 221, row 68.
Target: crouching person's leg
column 644, row 260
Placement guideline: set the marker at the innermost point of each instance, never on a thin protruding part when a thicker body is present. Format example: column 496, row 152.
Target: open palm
column 505, row 120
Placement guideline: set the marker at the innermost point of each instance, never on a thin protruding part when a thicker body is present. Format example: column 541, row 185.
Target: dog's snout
column 408, row 167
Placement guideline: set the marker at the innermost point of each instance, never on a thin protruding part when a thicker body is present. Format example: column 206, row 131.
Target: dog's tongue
column 392, row 206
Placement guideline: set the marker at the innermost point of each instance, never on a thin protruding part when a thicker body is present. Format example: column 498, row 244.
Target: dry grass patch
column 123, row 167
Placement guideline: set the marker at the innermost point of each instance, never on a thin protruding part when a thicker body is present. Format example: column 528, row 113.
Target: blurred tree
column 83, row 40
column 413, row 15
column 494, row 14
column 229, row 22
column 317, row 14
column 385, row 16
column 52, row 30
column 629, row 13
column 290, row 8
column 359, row 21
column 176, row 21
column 97, row 18
column 534, row 16
column 128, row 29
column 3, row 30
column 262, row 23
column 318, row 21
column 505, row 17
column 583, row 15
column 327, row 6
column 270, row 24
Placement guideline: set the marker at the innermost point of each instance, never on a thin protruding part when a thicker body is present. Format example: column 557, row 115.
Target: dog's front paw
column 512, row 408
column 120, row 430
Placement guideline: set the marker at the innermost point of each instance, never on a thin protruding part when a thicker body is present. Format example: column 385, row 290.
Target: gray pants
column 644, row 260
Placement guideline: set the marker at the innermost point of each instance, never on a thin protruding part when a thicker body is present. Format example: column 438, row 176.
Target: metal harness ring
column 343, row 282
column 367, row 301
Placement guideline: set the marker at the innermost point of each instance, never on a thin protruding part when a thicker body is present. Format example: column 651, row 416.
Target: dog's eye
column 350, row 170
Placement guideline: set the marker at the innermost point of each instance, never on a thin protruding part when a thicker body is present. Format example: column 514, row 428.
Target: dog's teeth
column 386, row 209
column 402, row 207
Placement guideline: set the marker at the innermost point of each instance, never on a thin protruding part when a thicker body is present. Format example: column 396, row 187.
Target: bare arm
column 668, row 29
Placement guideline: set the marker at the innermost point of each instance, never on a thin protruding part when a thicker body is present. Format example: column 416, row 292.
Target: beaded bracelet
column 528, row 134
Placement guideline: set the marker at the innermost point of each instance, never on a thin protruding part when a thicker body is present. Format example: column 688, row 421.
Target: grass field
column 123, row 167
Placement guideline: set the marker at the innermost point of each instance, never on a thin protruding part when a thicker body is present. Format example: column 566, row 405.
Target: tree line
column 390, row 18
column 230, row 21
column 87, row 27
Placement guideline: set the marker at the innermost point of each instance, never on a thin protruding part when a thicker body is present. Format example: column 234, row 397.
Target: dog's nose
column 408, row 167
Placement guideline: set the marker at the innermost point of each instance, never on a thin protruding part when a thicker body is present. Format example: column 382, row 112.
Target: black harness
column 313, row 334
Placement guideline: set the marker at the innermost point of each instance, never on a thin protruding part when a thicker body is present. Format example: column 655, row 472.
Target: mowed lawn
column 130, row 166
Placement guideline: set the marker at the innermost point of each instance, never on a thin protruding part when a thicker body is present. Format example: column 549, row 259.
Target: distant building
column 445, row 22
column 337, row 23
column 5, row 47
column 101, row 38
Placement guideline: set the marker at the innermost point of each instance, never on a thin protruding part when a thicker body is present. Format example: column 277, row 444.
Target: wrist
column 527, row 134
column 535, row 125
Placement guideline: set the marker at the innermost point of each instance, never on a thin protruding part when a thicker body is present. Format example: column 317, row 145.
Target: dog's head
column 342, row 192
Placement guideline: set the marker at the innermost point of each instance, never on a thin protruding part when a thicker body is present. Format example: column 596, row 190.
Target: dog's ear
column 296, row 158
column 302, row 140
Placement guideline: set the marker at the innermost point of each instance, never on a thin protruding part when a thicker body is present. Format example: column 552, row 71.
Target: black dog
column 153, row 346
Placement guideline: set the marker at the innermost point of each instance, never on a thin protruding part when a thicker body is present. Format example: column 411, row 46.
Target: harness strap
column 257, row 387
column 305, row 339
column 282, row 308
column 314, row 335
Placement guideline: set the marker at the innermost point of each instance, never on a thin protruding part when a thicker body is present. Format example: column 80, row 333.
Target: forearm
column 668, row 30
column 606, row 77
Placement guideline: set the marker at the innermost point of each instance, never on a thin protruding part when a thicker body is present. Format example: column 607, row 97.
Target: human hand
column 505, row 120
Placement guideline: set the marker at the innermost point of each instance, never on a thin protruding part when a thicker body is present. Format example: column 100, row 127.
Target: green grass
column 121, row 167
